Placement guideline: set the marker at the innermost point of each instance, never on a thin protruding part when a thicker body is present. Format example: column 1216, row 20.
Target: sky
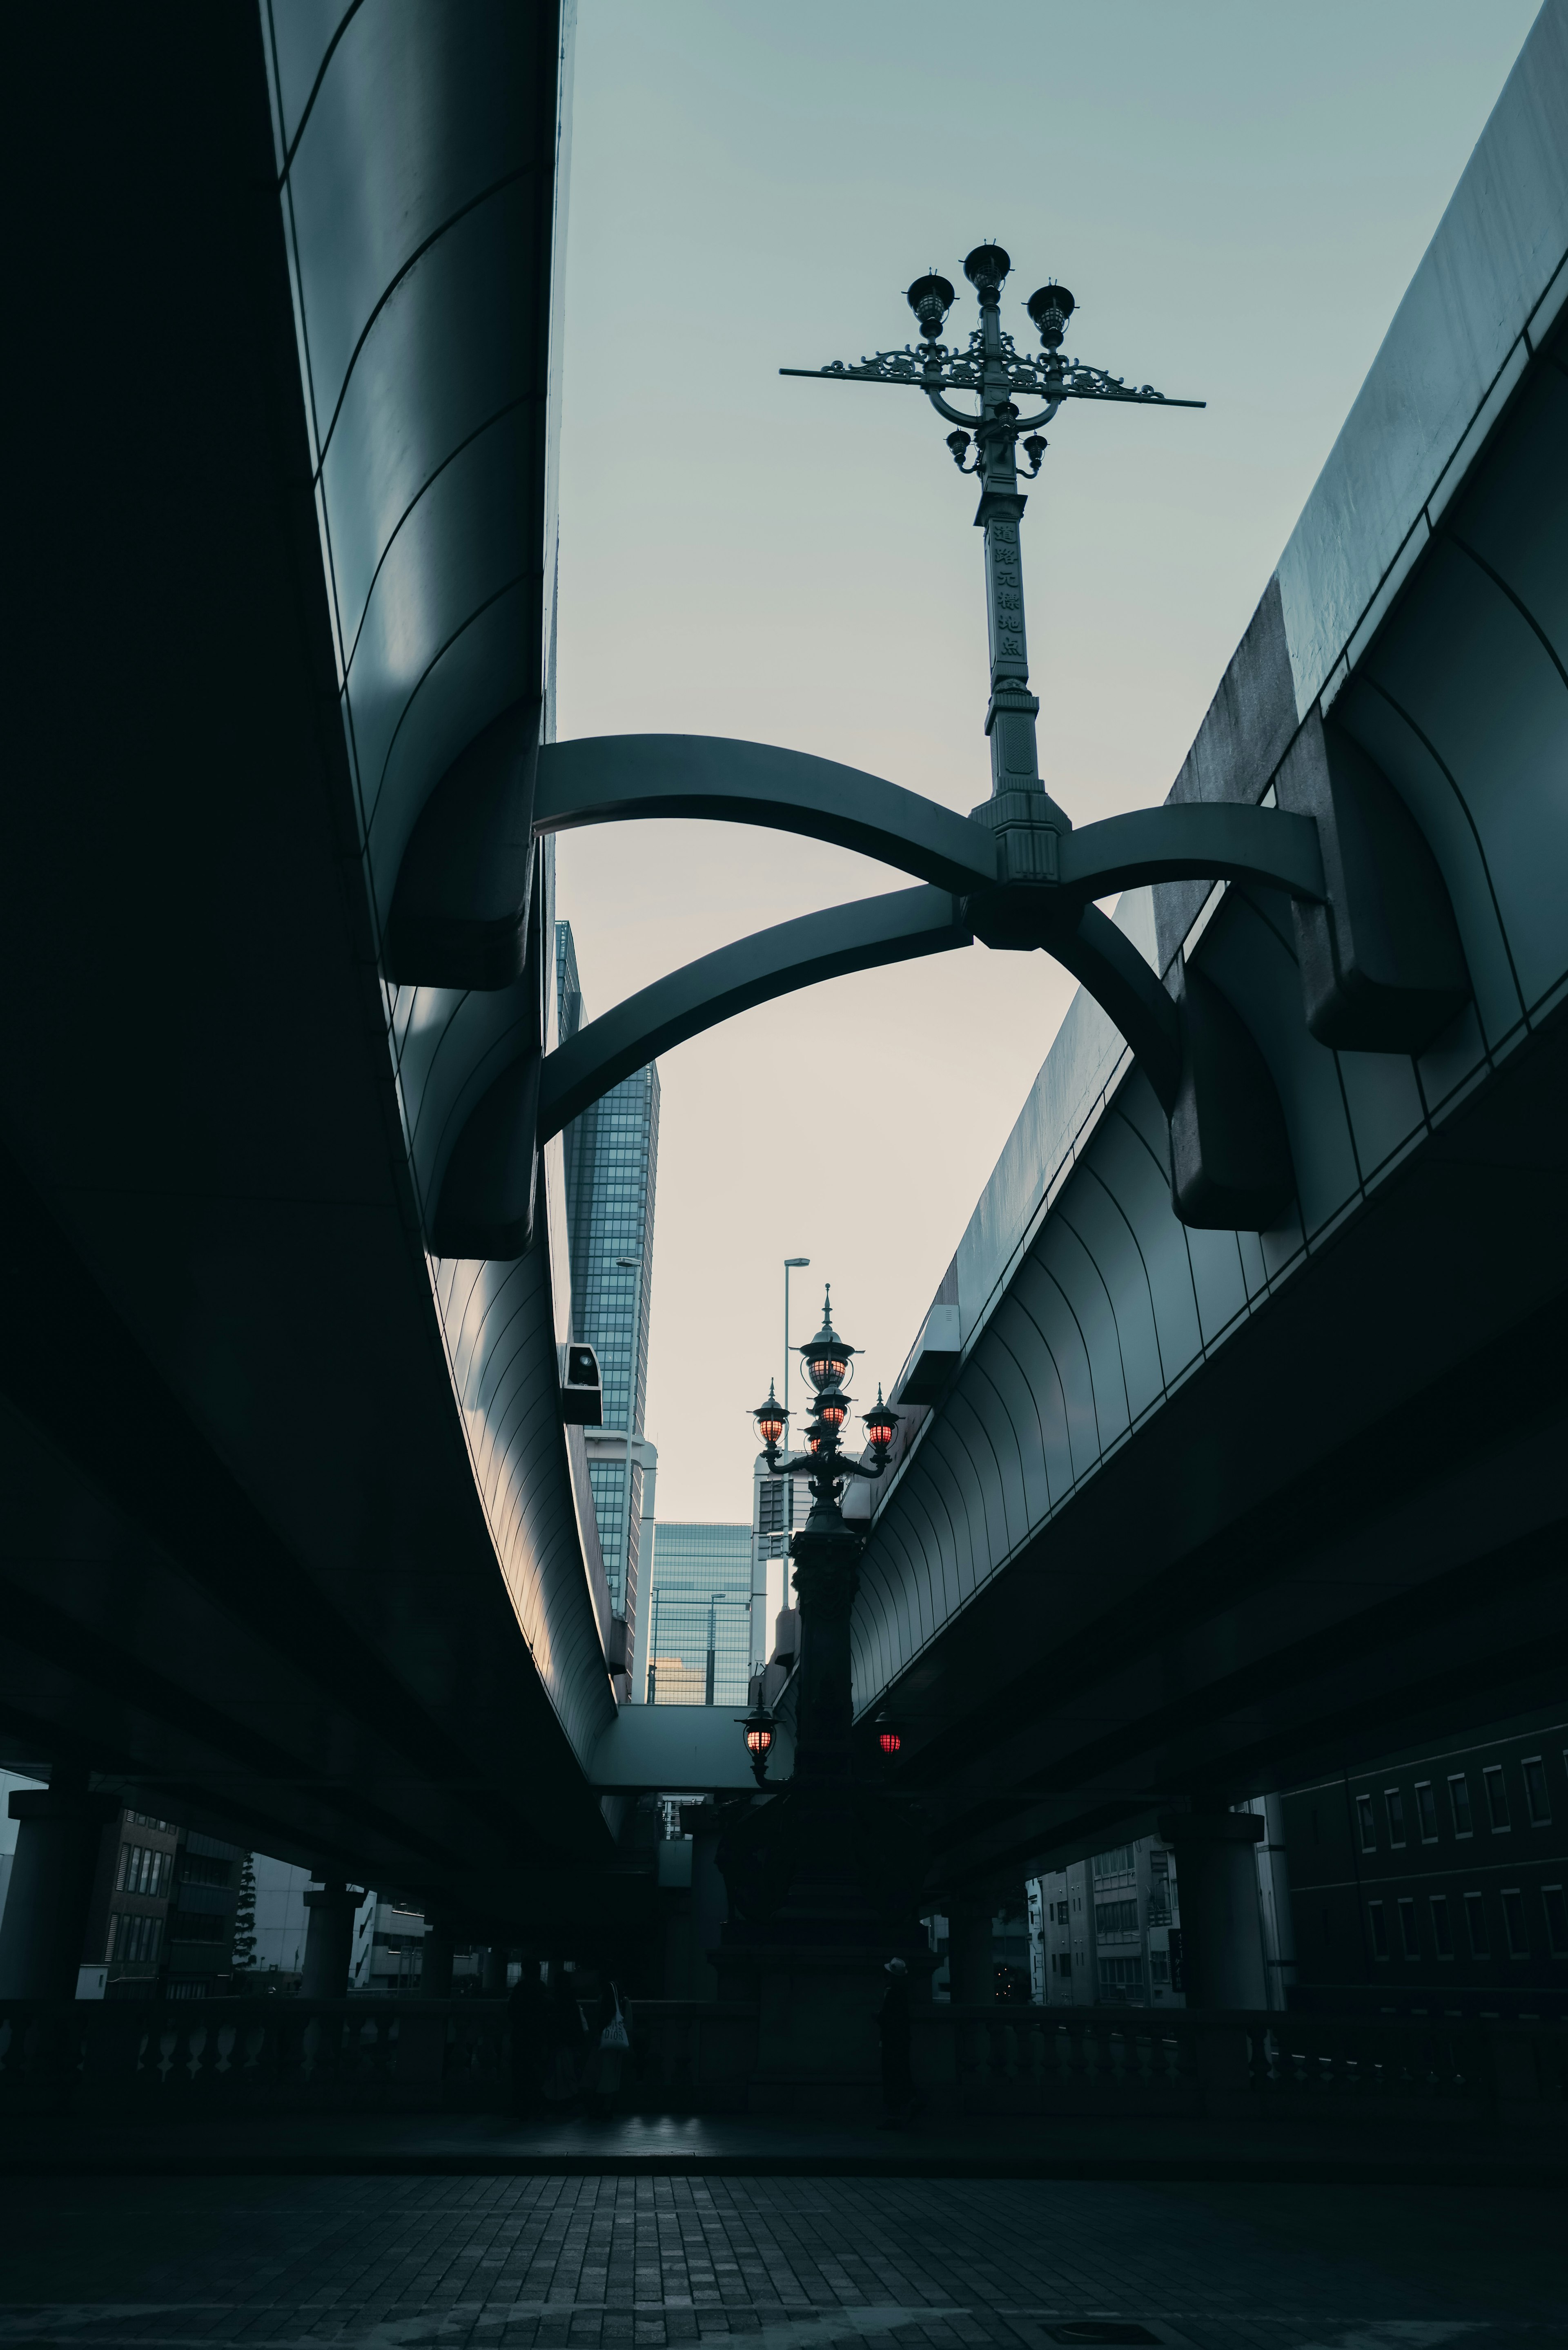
column 1237, row 195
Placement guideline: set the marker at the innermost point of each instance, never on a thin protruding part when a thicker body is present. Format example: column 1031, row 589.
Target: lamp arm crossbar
column 608, row 779
column 857, row 937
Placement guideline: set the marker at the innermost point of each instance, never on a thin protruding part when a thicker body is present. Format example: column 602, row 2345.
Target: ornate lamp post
column 986, row 444
column 826, row 1552
column 823, row 1875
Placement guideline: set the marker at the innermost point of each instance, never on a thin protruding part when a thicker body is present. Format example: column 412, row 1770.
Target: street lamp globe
column 985, row 268
column 827, row 1357
column 880, row 1423
column 770, row 1419
column 1051, row 306
column 930, row 298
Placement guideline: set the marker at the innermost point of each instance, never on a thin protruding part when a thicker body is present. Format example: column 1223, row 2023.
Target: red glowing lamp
column 770, row 1418
column 759, row 1728
column 880, row 1423
column 890, row 1742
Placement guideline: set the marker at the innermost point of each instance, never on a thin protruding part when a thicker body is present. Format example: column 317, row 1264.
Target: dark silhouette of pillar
column 494, row 1984
column 328, row 1938
column 1216, row 1888
column 435, row 1983
column 971, row 1976
column 58, row 1831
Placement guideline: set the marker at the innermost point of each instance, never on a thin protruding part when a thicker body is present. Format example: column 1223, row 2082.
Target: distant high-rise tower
column 611, row 1170
column 699, row 1615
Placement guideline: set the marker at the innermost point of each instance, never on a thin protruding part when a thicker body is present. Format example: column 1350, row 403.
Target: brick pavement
column 537, row 2263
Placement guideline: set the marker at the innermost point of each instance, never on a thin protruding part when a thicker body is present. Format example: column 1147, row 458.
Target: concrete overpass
column 296, row 1539
column 1191, row 1513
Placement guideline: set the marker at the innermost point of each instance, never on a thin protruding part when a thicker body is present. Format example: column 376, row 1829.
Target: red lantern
column 770, row 1419
column 833, row 1407
column 880, row 1423
column 890, row 1742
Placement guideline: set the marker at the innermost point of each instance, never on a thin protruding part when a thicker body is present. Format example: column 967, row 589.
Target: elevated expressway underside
column 294, row 1540
column 1196, row 1513
column 291, row 1539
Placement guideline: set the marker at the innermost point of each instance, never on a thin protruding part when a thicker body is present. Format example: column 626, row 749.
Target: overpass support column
column 329, row 1939
column 59, row 1830
column 494, row 1984
column 971, row 1978
column 435, row 1981
column 1221, row 1926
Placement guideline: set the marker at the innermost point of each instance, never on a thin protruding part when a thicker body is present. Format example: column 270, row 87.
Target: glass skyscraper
column 611, row 1168
column 699, row 1616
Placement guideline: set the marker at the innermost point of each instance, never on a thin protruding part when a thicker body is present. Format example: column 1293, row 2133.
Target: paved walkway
column 800, row 2263
column 1428, row 2147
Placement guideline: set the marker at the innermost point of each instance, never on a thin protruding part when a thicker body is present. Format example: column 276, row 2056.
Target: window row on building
column 1513, row 1903
column 1435, row 1807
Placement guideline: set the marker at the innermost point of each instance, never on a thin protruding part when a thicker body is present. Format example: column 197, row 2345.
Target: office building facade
column 611, row 1156
column 779, row 1505
column 1437, row 1883
column 1107, row 1931
column 699, row 1616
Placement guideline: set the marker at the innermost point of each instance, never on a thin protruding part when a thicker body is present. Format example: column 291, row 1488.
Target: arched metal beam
column 1193, row 840
column 608, row 779
column 772, row 962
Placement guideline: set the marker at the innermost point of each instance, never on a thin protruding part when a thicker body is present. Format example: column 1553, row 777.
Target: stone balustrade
column 211, row 2056
column 237, row 2055
column 1136, row 2061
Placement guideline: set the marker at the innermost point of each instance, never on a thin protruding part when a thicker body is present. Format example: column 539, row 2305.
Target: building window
column 1160, row 1963
column 1536, row 1800
column 1442, row 1938
column 1116, row 1916
column 1556, row 1911
column 1367, row 1823
column 1496, row 1797
column 1475, row 1924
column 1426, row 1811
column 1394, row 1801
column 1460, row 1805
column 1513, row 1924
column 1379, row 1925
column 1121, row 1980
column 1407, row 1933
column 133, row 1940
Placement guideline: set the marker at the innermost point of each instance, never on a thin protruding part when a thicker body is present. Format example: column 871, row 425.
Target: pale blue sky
column 1237, row 195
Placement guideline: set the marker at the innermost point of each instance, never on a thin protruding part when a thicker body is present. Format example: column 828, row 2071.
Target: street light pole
column 791, row 1265
column 1028, row 822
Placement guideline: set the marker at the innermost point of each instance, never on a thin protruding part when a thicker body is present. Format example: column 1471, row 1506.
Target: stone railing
column 234, row 2056
column 213, row 2056
column 690, row 2055
column 1138, row 2061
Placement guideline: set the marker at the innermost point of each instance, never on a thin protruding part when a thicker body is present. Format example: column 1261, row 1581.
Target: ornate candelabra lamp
column 826, row 1552
column 986, row 443
column 824, row 1872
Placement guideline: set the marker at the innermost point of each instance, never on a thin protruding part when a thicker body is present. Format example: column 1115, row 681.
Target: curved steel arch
column 772, row 962
column 608, row 779
column 1028, row 883
column 616, row 778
